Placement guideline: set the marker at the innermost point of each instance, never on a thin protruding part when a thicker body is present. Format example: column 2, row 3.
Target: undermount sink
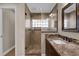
column 59, row 42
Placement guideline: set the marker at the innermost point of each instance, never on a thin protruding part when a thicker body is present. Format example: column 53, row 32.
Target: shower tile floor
column 33, row 51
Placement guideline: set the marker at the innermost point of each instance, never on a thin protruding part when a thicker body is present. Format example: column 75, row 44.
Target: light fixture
column 50, row 14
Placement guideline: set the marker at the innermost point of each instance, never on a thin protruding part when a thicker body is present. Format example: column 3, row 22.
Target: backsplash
column 68, row 39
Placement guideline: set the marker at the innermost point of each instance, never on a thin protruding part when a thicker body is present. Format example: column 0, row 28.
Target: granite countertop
column 68, row 49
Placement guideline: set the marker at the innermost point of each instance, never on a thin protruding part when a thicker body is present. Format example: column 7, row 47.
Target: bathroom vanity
column 57, row 46
column 50, row 50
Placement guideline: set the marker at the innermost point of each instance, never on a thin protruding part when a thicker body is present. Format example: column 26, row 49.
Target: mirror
column 69, row 18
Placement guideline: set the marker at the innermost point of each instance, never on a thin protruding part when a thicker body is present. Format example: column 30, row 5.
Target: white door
column 19, row 27
column 1, row 32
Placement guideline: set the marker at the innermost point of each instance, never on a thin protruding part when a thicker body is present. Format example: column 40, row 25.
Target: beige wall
column 20, row 29
column 28, row 13
column 39, row 16
column 27, row 31
column 36, row 16
column 28, row 17
column 69, row 34
column 53, row 19
column 8, row 29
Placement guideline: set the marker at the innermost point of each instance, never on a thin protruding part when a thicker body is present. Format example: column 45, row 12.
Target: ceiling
column 40, row 7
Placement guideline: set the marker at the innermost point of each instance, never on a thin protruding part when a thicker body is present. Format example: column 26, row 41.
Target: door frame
column 1, row 31
column 19, row 26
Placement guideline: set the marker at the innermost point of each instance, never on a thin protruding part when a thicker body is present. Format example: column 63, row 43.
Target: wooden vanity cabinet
column 50, row 51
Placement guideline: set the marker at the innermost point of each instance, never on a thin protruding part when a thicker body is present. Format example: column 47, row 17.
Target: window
column 36, row 23
column 40, row 23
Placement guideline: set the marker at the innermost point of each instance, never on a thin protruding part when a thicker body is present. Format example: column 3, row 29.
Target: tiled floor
column 34, row 50
column 11, row 53
column 31, row 52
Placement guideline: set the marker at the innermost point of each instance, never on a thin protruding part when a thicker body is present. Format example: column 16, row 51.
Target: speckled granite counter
column 68, row 49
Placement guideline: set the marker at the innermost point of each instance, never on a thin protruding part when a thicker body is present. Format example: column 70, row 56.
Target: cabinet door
column 47, row 48
column 53, row 51
column 50, row 50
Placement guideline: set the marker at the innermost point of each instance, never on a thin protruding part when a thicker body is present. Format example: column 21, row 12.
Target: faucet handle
column 65, row 38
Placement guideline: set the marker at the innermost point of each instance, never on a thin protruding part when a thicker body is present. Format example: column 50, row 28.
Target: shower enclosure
column 33, row 37
column 38, row 23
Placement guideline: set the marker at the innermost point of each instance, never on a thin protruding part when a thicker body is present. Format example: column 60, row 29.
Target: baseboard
column 4, row 53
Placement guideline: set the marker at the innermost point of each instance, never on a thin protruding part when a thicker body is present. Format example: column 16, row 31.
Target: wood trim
column 7, row 51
